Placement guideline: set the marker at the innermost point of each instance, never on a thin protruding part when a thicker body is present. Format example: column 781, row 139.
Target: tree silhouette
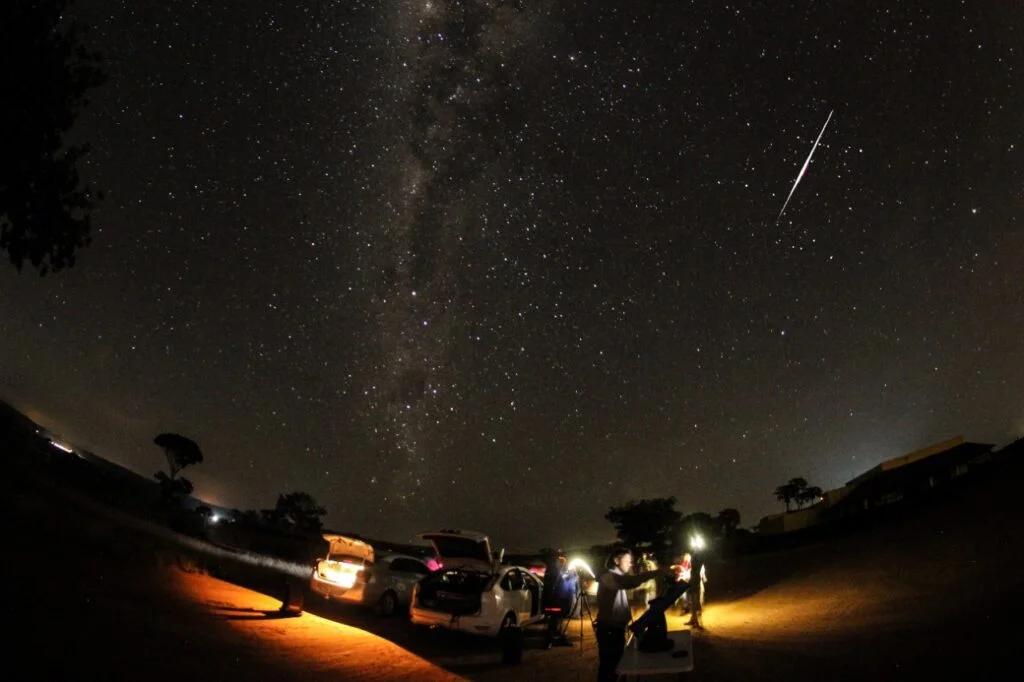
column 46, row 73
column 645, row 524
column 697, row 523
column 790, row 491
column 296, row 511
column 248, row 518
column 180, row 452
column 727, row 521
column 797, row 491
column 807, row 495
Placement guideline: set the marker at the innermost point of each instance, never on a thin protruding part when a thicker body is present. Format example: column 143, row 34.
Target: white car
column 472, row 591
column 352, row 572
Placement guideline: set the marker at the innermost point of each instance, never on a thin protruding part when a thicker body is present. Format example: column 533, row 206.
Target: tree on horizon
column 797, row 491
column 296, row 511
column 181, row 452
column 727, row 521
column 47, row 71
column 788, row 492
column 646, row 524
column 807, row 495
column 698, row 523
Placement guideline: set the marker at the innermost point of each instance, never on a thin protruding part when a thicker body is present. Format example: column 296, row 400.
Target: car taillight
column 341, row 573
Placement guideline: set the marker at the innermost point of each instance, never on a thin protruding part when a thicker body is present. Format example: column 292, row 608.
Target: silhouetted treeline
column 46, row 72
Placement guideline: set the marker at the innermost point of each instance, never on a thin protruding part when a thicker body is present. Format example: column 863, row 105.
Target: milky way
column 455, row 88
column 505, row 264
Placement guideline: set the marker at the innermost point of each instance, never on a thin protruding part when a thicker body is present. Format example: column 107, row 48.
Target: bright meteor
column 804, row 169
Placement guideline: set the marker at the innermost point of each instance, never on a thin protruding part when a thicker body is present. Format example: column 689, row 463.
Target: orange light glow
column 342, row 573
column 311, row 644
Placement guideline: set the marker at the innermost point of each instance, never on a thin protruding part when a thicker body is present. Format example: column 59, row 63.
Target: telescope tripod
column 581, row 607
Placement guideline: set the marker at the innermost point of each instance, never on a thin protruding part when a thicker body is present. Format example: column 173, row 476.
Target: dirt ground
column 95, row 595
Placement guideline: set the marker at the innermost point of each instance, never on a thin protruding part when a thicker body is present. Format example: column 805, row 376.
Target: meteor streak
column 804, row 169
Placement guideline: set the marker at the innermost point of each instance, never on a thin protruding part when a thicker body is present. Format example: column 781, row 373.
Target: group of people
column 614, row 612
column 686, row 576
column 692, row 600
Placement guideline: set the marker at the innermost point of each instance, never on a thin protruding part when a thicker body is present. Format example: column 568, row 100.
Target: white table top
column 638, row 663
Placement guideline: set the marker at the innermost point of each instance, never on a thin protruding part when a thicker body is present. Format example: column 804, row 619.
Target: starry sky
column 501, row 264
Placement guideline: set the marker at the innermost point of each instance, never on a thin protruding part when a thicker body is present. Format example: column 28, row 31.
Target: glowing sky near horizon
column 503, row 264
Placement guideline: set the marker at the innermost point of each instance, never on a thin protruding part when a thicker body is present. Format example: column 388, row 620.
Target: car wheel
column 387, row 605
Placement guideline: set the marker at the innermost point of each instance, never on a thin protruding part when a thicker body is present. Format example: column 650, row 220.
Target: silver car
column 353, row 572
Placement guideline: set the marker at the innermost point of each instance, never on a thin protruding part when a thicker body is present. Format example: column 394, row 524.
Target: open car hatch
column 342, row 546
column 462, row 549
column 346, row 561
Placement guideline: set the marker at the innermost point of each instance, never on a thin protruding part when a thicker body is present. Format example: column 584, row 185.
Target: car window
column 515, row 580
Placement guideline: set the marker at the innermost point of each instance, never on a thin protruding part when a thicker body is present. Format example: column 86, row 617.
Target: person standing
column 613, row 610
column 683, row 568
column 556, row 598
column 695, row 593
column 649, row 590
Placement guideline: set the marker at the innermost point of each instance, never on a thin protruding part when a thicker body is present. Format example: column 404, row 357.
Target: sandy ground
column 936, row 595
column 92, row 595
column 308, row 645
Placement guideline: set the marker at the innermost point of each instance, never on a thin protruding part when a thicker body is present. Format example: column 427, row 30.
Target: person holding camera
column 613, row 610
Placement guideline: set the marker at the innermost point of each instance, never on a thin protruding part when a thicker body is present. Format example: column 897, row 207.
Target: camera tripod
column 580, row 607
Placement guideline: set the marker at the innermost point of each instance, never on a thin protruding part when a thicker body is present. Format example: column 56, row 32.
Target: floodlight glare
column 577, row 564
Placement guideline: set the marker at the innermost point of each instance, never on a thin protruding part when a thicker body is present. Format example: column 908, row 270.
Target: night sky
column 502, row 265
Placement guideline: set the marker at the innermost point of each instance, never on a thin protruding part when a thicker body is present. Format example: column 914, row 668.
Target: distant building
column 904, row 477
column 786, row 522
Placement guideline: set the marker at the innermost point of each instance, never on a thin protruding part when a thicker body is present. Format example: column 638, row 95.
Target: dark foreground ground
column 93, row 594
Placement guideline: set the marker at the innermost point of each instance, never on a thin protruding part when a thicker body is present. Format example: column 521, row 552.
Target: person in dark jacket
column 613, row 611
column 695, row 594
column 559, row 591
